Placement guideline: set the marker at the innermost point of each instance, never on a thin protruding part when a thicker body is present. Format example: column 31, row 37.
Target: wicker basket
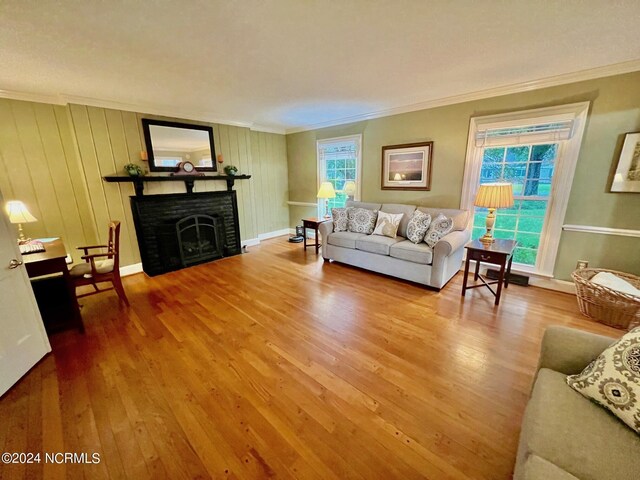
column 605, row 305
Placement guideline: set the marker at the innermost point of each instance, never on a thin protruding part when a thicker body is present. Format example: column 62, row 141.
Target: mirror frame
column 147, row 122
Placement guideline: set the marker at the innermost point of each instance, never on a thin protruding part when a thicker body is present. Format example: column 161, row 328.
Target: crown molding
column 32, row 97
column 165, row 111
column 582, row 75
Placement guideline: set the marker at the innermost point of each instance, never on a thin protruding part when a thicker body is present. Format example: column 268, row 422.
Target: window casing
column 536, row 151
column 340, row 160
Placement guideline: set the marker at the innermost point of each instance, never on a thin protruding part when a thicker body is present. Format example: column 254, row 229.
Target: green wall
column 615, row 110
column 53, row 158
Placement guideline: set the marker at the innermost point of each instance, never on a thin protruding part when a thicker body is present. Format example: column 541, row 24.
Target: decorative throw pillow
column 418, row 226
column 387, row 224
column 613, row 379
column 439, row 227
column 361, row 220
column 340, row 219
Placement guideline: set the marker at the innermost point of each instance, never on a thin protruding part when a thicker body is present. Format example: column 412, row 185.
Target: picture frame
column 407, row 166
column 627, row 175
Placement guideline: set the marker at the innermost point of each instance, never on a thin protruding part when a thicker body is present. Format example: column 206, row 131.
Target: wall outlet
column 582, row 264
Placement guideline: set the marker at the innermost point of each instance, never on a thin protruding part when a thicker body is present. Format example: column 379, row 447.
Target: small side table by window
column 312, row 223
column 498, row 253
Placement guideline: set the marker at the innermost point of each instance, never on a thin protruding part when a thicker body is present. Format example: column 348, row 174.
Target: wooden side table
column 498, row 253
column 312, row 223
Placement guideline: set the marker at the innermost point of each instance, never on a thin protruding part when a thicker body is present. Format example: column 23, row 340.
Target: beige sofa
column 398, row 256
column 564, row 435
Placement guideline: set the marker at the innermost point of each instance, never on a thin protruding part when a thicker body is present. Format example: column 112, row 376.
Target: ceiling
column 292, row 64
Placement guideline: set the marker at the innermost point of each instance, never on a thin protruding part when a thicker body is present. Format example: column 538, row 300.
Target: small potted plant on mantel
column 230, row 170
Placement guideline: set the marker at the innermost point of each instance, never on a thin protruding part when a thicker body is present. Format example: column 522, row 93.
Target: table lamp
column 350, row 189
column 326, row 191
column 18, row 213
column 493, row 196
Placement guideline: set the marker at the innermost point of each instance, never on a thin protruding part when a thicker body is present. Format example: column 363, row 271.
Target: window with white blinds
column 536, row 151
column 504, row 136
column 339, row 161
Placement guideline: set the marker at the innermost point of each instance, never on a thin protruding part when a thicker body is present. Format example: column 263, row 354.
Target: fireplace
column 180, row 230
column 199, row 239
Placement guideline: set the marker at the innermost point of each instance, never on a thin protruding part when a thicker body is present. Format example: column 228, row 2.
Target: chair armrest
column 96, row 255
column 451, row 242
column 568, row 350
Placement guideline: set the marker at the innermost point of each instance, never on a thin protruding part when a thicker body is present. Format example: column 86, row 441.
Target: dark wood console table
column 498, row 253
column 189, row 180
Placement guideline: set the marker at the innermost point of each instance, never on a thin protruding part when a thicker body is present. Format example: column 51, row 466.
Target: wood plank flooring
column 275, row 364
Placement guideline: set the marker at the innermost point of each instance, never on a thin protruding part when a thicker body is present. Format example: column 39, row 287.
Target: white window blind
column 520, row 134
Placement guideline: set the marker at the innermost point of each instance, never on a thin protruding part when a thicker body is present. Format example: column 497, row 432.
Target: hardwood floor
column 276, row 364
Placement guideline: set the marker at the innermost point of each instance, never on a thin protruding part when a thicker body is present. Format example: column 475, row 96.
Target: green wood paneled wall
column 53, row 158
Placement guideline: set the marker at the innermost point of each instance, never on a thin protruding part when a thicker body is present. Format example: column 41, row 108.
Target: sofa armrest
column 324, row 229
column 568, row 350
column 451, row 242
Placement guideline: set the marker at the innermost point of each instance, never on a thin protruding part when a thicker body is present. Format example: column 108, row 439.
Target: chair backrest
column 114, row 243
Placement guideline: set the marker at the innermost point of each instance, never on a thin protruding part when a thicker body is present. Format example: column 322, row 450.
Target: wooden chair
column 93, row 272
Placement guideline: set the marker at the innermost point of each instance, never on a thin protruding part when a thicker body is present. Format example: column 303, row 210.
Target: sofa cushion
column 613, row 379
column 361, row 220
column 368, row 206
column 578, row 436
column 340, row 219
column 387, row 224
column 376, row 244
column 406, row 210
column 416, row 253
column 438, row 228
column 418, row 226
column 460, row 217
column 344, row 239
column 538, row 468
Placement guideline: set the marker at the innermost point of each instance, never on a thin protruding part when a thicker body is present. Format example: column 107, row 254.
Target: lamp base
column 21, row 238
column 487, row 239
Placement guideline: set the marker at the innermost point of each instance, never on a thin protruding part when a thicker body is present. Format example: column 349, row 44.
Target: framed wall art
column 407, row 167
column 627, row 176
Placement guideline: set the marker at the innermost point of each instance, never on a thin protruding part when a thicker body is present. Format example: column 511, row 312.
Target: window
column 339, row 160
column 529, row 168
column 535, row 151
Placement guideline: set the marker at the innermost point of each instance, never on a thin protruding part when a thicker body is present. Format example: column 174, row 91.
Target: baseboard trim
column 252, row 242
column 130, row 269
column 553, row 284
column 275, row 233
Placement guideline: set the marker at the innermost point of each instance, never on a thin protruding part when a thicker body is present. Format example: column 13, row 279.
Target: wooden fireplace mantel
column 189, row 180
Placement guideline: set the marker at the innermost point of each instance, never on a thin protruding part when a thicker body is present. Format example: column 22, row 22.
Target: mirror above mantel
column 171, row 143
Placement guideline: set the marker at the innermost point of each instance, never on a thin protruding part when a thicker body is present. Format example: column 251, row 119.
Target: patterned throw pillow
column 439, row 227
column 387, row 224
column 613, row 379
column 361, row 220
column 418, row 226
column 340, row 219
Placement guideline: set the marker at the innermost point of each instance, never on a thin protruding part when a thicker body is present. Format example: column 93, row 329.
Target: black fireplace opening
column 199, row 239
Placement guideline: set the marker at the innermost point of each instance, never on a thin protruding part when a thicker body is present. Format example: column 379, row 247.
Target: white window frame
column 564, row 171
column 320, row 168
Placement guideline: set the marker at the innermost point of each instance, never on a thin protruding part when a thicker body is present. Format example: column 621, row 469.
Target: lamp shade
column 494, row 195
column 326, row 190
column 18, row 213
column 350, row 188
